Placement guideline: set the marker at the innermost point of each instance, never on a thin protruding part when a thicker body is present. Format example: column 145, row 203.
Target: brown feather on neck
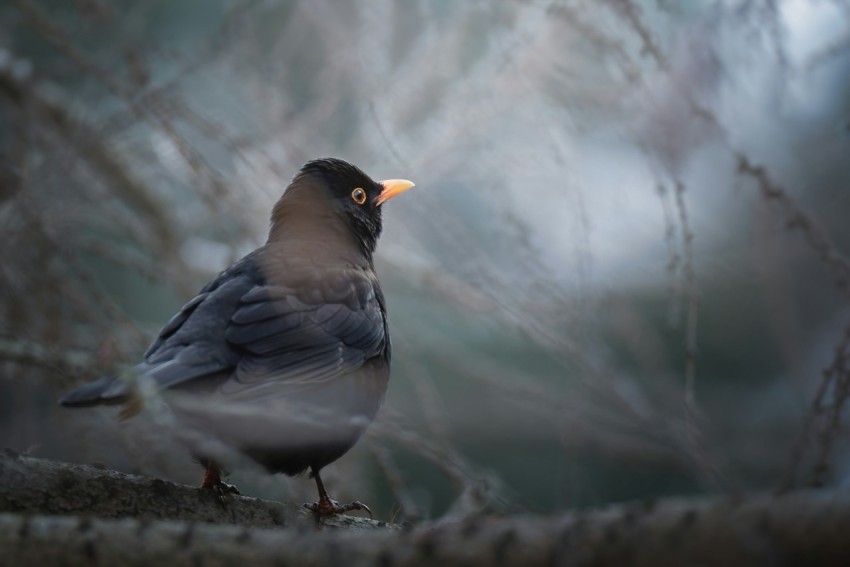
column 304, row 223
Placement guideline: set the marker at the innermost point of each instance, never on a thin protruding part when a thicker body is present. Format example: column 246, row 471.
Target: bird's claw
column 221, row 490
column 226, row 488
column 332, row 507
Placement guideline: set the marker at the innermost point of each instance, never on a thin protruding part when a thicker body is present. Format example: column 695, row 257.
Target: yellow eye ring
column 359, row 196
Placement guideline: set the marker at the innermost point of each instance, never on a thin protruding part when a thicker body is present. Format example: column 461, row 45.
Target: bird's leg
column 213, row 482
column 327, row 507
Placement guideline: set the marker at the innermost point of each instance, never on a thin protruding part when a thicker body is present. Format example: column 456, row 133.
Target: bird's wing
column 254, row 339
column 192, row 345
column 175, row 322
column 189, row 348
column 290, row 337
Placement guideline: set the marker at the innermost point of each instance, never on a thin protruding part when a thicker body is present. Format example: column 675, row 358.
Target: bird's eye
column 359, row 196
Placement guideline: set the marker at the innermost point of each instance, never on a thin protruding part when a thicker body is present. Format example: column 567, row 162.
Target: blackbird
column 285, row 356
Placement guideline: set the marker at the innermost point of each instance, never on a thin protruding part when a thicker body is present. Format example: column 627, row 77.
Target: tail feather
column 107, row 390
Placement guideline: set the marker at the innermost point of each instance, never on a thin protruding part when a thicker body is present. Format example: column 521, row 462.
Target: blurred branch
column 388, row 142
column 797, row 218
column 693, row 299
column 631, row 13
column 211, row 188
column 608, row 45
column 603, row 384
column 75, row 282
column 673, row 253
column 837, row 379
column 33, row 353
column 838, row 376
column 64, row 129
column 476, row 489
column 706, row 466
column 92, row 148
column 754, row 530
column 217, row 43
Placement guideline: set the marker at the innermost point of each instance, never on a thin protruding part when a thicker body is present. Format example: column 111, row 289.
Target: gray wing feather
column 315, row 343
column 251, row 339
column 193, row 346
column 268, row 338
column 175, row 322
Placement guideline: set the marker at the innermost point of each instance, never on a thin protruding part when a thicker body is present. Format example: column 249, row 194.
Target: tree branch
column 33, row 353
column 36, row 486
column 802, row 527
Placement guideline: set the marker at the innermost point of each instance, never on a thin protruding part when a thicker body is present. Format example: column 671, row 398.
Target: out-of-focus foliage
column 623, row 272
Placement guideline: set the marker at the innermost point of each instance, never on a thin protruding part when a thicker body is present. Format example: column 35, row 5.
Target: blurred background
column 623, row 273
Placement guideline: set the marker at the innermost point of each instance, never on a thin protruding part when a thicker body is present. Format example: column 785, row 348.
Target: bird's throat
column 320, row 239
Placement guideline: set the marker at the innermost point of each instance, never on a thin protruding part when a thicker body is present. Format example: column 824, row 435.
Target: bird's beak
column 392, row 187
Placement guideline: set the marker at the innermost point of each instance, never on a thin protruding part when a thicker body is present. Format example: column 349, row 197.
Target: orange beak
column 392, row 187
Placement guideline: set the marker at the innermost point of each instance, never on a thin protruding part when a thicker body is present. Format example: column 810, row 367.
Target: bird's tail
column 107, row 390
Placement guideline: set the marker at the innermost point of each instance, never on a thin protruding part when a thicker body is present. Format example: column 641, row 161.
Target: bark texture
column 36, row 486
column 799, row 528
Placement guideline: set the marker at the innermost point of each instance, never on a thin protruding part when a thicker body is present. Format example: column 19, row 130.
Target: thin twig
column 675, row 258
column 693, row 298
column 630, row 12
column 816, row 410
column 797, row 218
column 838, row 375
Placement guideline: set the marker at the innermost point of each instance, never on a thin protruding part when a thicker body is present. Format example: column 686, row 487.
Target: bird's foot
column 213, row 483
column 328, row 507
column 221, row 490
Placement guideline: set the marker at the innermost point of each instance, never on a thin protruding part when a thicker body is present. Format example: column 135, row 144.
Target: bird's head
column 331, row 188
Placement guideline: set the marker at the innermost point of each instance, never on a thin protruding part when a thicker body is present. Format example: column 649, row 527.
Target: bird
column 285, row 355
